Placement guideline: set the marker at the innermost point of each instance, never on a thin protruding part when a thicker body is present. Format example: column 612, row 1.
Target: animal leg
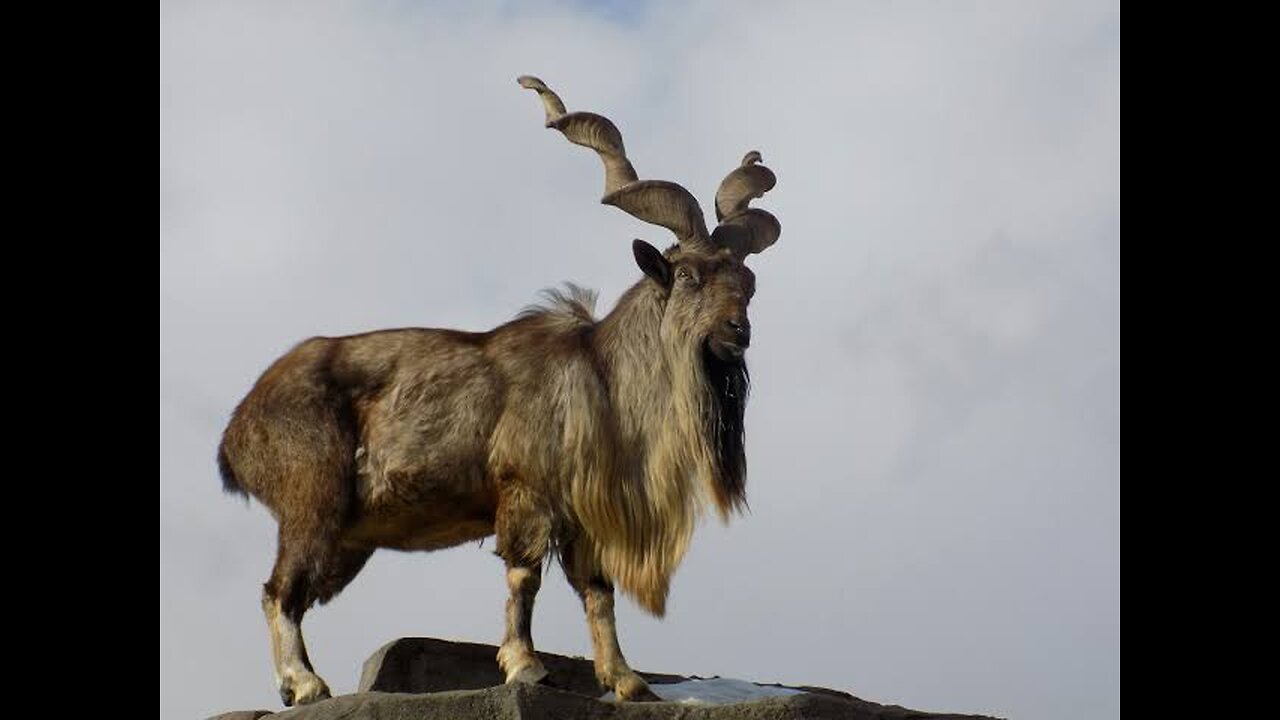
column 597, row 601
column 516, row 656
column 295, row 585
column 296, row 680
column 523, row 529
column 291, row 445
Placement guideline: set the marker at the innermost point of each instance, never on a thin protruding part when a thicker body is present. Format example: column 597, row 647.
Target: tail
column 229, row 482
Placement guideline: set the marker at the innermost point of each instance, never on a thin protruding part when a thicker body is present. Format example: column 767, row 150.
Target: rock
column 414, row 678
column 526, row 702
column 424, row 665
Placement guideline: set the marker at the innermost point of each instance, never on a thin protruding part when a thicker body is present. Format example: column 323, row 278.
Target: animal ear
column 652, row 263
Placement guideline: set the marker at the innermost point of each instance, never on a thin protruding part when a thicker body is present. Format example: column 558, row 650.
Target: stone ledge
column 413, row 678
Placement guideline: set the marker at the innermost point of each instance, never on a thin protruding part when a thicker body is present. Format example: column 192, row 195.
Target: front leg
column 524, row 534
column 586, row 577
column 611, row 667
column 516, row 656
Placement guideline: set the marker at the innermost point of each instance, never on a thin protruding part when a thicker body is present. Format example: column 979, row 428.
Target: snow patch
column 715, row 691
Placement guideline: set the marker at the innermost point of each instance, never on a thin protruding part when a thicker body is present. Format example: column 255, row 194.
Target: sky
column 934, row 430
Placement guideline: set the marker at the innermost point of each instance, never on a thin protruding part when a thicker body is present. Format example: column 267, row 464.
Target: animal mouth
column 726, row 350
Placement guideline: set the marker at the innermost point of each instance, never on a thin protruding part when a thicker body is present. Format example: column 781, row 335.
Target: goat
column 595, row 442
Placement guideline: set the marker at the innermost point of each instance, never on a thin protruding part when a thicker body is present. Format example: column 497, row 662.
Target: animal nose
column 742, row 329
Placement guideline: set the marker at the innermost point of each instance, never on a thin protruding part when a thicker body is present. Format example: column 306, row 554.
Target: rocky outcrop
column 415, row 678
column 428, row 665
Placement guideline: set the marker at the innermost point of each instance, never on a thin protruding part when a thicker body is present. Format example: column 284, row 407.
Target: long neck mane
column 678, row 445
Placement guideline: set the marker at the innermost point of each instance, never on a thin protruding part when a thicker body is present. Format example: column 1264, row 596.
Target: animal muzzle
column 740, row 330
column 731, row 340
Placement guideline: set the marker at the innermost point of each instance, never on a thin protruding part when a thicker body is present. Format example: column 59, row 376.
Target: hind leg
column 291, row 444
column 285, row 599
column 302, row 576
column 597, row 601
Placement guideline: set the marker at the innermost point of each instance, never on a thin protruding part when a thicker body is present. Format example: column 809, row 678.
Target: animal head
column 703, row 280
column 706, row 296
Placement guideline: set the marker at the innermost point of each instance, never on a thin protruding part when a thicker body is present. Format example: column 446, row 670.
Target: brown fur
column 550, row 428
column 600, row 442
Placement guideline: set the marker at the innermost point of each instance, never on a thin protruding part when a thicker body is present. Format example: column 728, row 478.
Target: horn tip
column 531, row 83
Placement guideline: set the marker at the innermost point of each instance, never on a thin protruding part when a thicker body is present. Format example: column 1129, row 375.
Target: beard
column 728, row 384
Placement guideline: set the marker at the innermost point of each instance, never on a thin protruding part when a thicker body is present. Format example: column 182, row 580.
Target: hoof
column 521, row 665
column 633, row 688
column 529, row 675
column 303, row 690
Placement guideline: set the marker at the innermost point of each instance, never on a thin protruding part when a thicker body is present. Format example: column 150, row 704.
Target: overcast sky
column 934, row 432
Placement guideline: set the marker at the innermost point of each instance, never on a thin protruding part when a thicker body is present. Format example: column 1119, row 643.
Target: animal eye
column 685, row 275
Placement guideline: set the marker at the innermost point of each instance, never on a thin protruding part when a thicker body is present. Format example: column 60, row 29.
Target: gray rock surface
column 420, row 678
column 425, row 665
column 526, row 702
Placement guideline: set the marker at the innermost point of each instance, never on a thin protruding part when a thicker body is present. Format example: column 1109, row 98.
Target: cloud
column 934, row 434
